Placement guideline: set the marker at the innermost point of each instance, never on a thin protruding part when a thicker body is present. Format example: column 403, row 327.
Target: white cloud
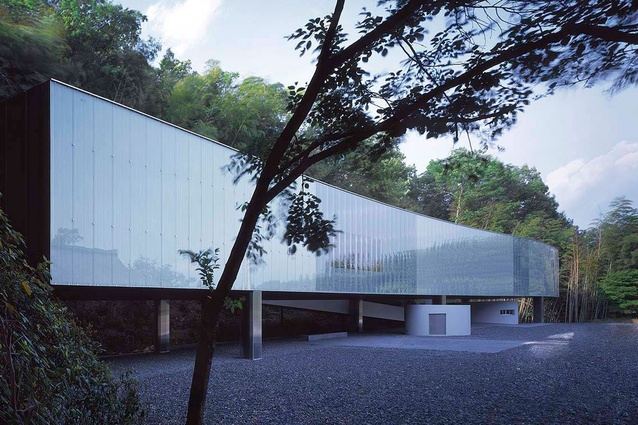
column 181, row 25
column 585, row 188
column 629, row 160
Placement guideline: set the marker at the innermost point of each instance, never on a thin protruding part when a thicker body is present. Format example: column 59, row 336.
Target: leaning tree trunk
column 571, row 302
column 203, row 362
column 212, row 307
column 261, row 196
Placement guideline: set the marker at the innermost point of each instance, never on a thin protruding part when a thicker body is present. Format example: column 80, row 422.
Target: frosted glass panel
column 82, row 189
column 129, row 191
column 122, row 199
column 103, row 186
column 168, row 273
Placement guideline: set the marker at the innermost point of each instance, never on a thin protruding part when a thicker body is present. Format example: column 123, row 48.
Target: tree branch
column 353, row 140
column 314, row 145
column 394, row 122
column 386, row 27
column 403, row 112
column 323, row 69
column 613, row 34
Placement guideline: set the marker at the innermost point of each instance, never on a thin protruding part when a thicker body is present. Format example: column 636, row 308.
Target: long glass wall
column 129, row 191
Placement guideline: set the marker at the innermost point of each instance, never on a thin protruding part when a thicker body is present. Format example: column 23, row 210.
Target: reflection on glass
column 128, row 192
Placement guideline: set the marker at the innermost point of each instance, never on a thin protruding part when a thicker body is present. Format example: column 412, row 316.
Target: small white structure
column 501, row 312
column 431, row 320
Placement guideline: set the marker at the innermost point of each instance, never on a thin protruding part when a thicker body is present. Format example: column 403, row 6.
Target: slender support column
column 356, row 315
column 539, row 310
column 251, row 326
column 162, row 326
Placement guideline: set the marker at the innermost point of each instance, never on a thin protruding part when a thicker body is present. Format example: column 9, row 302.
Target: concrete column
column 539, row 309
column 251, row 344
column 356, row 315
column 162, row 326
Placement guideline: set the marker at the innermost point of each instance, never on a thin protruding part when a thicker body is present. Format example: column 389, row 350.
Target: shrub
column 621, row 288
column 49, row 371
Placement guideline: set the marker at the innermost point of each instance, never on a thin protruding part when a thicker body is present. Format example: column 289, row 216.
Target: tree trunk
column 458, row 206
column 213, row 305
column 203, row 362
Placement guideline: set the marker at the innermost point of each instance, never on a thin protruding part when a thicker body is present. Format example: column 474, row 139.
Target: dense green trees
column 32, row 46
column 107, row 55
column 93, row 44
column 244, row 113
column 617, row 235
column 382, row 176
column 606, row 255
column 478, row 190
column 621, row 288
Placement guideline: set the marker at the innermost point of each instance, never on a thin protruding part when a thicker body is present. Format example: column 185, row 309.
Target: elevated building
column 110, row 195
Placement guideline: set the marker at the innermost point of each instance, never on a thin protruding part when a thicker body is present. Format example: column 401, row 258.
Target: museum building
column 110, row 195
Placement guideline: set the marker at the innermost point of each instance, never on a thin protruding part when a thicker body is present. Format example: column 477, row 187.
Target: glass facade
column 129, row 191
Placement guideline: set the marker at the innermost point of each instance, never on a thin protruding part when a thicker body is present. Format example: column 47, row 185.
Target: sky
column 584, row 142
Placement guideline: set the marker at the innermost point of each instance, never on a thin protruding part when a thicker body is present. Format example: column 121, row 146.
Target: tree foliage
column 478, row 190
column 170, row 71
column 611, row 251
column 244, row 113
column 107, row 54
column 32, row 47
column 596, row 254
column 621, row 288
column 207, row 263
column 306, row 226
column 383, row 176
column 49, row 372
column 93, row 44
column 617, row 234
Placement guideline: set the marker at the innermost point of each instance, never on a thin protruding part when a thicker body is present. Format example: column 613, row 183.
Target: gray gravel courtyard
column 548, row 374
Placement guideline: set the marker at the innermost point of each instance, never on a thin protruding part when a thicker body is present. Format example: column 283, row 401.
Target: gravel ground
column 561, row 374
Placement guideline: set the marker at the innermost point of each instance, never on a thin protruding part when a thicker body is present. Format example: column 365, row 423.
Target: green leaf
column 10, row 307
column 26, row 287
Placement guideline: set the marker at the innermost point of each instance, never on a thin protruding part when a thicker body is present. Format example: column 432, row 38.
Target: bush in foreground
column 49, row 372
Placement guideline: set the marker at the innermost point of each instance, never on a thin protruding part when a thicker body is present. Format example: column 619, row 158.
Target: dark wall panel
column 25, row 167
